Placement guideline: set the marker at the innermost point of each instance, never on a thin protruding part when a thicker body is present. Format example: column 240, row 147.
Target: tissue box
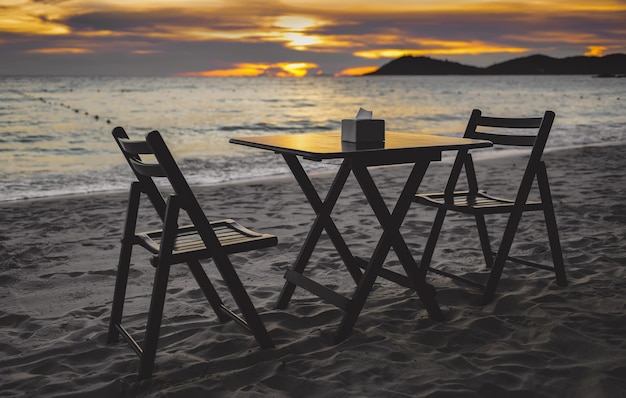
column 363, row 130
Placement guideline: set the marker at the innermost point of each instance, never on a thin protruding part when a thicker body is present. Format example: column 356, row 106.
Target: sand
column 536, row 339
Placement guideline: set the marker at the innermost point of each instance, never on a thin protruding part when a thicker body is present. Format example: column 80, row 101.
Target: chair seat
column 233, row 237
column 472, row 202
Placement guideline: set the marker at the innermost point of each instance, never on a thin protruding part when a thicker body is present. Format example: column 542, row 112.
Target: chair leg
column 553, row 232
column 155, row 316
column 159, row 287
column 123, row 264
column 207, row 288
column 119, row 294
column 238, row 291
column 484, row 239
column 502, row 255
column 429, row 249
column 555, row 247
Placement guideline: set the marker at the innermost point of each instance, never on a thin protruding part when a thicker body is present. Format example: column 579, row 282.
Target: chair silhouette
column 477, row 202
column 174, row 245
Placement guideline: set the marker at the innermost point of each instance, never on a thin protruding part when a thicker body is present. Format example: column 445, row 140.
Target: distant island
column 613, row 65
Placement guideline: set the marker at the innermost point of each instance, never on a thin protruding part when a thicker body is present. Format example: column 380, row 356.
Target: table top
column 398, row 146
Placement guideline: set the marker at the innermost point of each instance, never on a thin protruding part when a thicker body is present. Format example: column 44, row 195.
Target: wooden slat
column 457, row 278
column 130, row 340
column 235, row 317
column 392, row 276
column 147, row 169
column 319, row 290
column 506, row 139
column 515, row 123
column 527, row 263
column 135, row 147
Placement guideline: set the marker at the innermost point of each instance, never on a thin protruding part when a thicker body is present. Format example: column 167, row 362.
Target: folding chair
column 477, row 202
column 174, row 245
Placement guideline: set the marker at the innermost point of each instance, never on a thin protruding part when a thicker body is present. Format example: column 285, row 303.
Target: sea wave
column 55, row 132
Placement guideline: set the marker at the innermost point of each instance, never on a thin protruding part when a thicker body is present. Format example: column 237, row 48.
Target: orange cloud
column 357, row 71
column 59, row 51
column 32, row 18
column 280, row 69
column 595, row 44
column 554, row 37
column 146, row 52
column 99, row 34
column 241, row 70
column 32, row 27
column 439, row 47
column 595, row 51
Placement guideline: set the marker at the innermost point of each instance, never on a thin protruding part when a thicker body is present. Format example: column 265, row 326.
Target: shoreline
column 534, row 340
column 320, row 174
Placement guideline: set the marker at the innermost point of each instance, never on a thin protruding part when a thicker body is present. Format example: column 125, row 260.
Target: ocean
column 55, row 132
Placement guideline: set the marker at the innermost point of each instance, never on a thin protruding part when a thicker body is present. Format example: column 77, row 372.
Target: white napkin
column 363, row 114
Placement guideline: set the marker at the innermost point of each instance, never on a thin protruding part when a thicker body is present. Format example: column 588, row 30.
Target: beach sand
column 58, row 261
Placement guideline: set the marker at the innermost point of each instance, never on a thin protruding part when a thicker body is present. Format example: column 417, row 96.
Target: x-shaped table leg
column 322, row 221
column 391, row 237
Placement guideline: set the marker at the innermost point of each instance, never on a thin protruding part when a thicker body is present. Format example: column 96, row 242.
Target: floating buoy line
column 61, row 104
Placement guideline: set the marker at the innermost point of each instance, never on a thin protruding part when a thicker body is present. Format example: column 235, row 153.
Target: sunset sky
column 292, row 38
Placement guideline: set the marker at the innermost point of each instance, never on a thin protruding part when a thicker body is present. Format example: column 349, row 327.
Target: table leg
column 391, row 237
column 322, row 221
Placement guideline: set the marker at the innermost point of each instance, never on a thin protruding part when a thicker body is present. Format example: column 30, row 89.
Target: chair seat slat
column 230, row 235
column 471, row 201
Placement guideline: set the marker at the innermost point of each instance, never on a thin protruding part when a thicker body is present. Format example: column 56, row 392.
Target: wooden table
column 398, row 148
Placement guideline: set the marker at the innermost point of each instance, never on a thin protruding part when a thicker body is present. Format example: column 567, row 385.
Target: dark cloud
column 134, row 20
column 174, row 58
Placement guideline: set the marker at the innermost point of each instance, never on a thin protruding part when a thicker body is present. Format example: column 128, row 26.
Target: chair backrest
column 134, row 151
column 151, row 158
column 504, row 131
